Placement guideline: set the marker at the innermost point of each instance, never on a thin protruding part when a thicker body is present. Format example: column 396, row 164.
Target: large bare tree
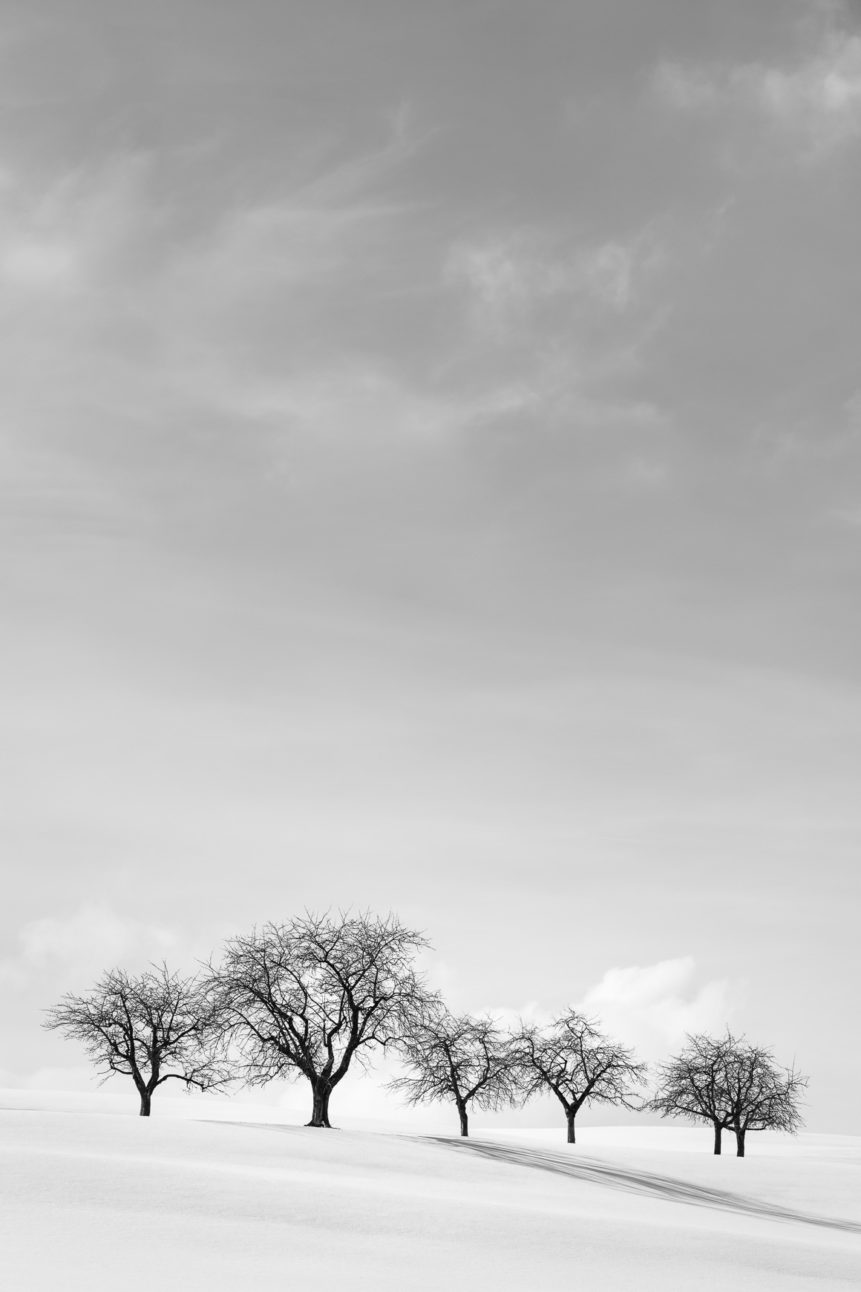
column 310, row 997
column 457, row 1058
column 154, row 1027
column 579, row 1064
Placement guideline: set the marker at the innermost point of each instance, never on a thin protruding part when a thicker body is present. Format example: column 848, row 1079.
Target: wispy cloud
column 68, row 234
column 568, row 317
column 127, row 321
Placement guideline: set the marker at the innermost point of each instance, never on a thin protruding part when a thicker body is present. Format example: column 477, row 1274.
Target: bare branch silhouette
column 156, row 1027
column 459, row 1058
column 310, row 997
column 579, row 1064
column 729, row 1084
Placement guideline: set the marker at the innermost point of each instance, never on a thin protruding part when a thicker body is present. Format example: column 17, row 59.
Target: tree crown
column 578, row 1063
column 460, row 1057
column 730, row 1083
column 153, row 1027
column 309, row 995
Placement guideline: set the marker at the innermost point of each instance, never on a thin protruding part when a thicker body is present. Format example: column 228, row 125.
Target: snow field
column 96, row 1201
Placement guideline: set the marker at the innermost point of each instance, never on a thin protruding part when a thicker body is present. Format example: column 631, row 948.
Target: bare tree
column 579, row 1064
column 309, row 997
column 730, row 1084
column 154, row 1028
column 760, row 1094
column 692, row 1085
column 459, row 1058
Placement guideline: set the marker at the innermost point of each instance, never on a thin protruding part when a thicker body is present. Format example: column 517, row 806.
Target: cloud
column 821, row 97
column 126, row 297
column 687, row 87
column 609, row 273
column 67, row 234
column 817, row 100
column 572, row 317
column 280, row 243
column 508, row 277
column 651, row 1007
column 654, row 1006
column 533, row 1013
column 93, row 938
column 30, row 262
column 77, row 1078
column 130, row 319
column 850, row 517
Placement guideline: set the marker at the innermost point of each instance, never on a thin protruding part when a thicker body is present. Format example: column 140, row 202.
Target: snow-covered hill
column 96, row 1201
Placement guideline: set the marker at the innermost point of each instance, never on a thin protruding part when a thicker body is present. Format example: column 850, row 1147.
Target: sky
column 430, row 453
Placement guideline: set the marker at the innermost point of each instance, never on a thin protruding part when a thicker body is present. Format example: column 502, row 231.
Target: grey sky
column 430, row 453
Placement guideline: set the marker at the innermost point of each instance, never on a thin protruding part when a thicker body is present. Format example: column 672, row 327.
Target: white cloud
column 30, row 262
column 822, row 95
column 687, row 87
column 609, row 273
column 650, row 1007
column 131, row 309
column 654, row 1006
column 95, row 219
column 282, row 243
column 816, row 100
column 62, row 236
column 78, row 1078
column 508, row 277
column 852, row 409
column 532, row 1012
column 850, row 517
column 91, row 939
column 497, row 271
column 311, row 234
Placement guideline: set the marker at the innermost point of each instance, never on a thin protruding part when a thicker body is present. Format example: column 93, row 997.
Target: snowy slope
column 96, row 1201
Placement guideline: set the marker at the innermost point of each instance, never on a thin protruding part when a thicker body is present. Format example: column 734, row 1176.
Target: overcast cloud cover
column 431, row 469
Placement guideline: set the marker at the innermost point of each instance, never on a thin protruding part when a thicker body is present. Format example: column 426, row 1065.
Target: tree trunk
column 464, row 1120
column 739, row 1139
column 320, row 1109
column 718, row 1134
column 569, row 1117
column 146, row 1102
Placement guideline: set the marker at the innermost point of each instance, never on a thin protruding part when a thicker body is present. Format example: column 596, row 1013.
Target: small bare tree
column 311, row 996
column 156, row 1027
column 459, row 1058
column 730, row 1084
column 760, row 1094
column 579, row 1064
column 692, row 1085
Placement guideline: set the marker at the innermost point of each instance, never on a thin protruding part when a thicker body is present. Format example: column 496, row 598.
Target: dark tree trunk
column 739, row 1140
column 569, row 1117
column 464, row 1120
column 146, row 1102
column 320, row 1109
column 718, row 1134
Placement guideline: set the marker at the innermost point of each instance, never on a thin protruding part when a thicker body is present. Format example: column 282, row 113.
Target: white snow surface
column 209, row 1196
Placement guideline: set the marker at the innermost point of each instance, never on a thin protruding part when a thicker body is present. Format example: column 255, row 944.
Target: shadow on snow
column 648, row 1183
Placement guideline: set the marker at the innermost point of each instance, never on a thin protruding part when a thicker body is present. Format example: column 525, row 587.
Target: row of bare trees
column 473, row 1062
column 314, row 996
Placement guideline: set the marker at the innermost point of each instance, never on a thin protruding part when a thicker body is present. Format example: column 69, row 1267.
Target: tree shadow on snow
column 648, row 1183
